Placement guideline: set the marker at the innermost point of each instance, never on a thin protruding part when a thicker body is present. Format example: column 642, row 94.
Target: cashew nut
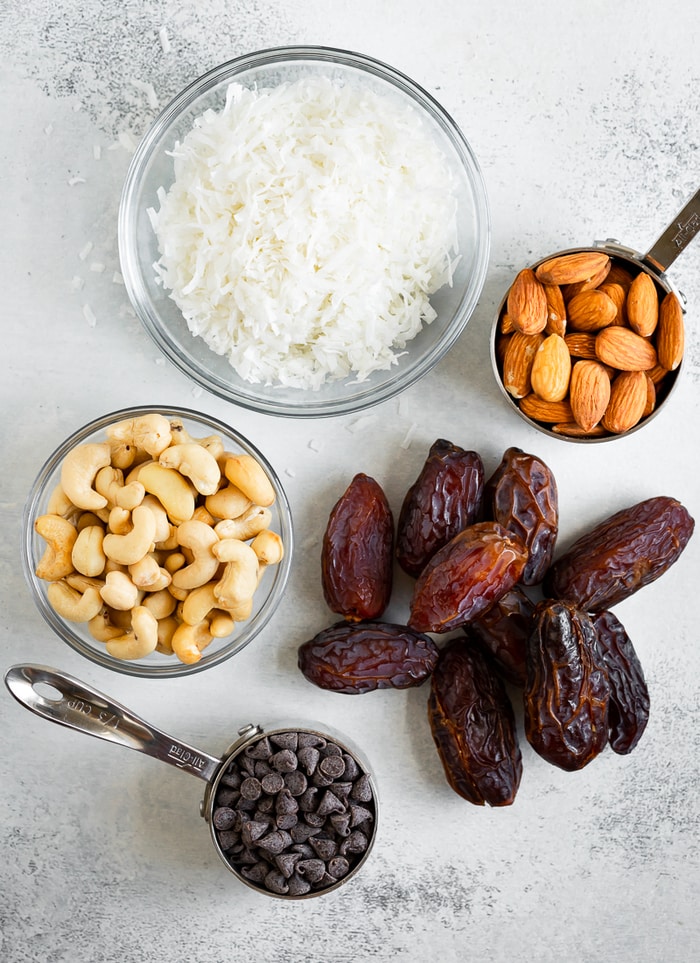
column 102, row 629
column 228, row 502
column 166, row 630
column 119, row 521
column 240, row 578
column 247, row 474
column 189, row 640
column 198, row 604
column 221, row 624
column 161, row 603
column 78, row 471
column 194, row 461
column 171, row 490
column 181, row 436
column 72, row 605
column 203, row 515
column 149, row 432
column 60, row 504
column 130, row 548
column 200, row 539
column 140, row 641
column 110, row 483
column 87, row 555
column 60, row 537
column 119, row 592
column 255, row 519
column 147, row 574
column 164, row 529
column 268, row 546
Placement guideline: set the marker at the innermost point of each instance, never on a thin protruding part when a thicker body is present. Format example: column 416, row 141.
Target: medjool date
column 465, row 577
column 504, row 630
column 367, row 656
column 473, row 727
column 621, row 555
column 445, row 499
column 567, row 692
column 357, row 552
column 522, row 496
column 628, row 710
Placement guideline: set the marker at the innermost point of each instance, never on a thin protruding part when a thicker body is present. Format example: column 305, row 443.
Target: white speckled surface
column 585, row 119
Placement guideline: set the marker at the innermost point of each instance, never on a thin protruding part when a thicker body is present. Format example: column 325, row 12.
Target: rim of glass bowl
column 32, row 549
column 367, row 393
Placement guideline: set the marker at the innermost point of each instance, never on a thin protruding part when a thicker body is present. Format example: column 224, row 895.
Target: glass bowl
column 152, row 168
column 156, row 665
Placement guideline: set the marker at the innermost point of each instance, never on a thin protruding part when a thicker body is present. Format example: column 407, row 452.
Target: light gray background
column 584, row 117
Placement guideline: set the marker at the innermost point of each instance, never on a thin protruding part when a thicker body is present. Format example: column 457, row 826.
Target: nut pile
column 586, row 346
column 476, row 549
column 157, row 540
column 294, row 813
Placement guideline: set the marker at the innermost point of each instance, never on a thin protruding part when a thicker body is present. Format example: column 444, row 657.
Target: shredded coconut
column 305, row 230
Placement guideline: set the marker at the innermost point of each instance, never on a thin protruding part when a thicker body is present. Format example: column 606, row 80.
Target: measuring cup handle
column 73, row 704
column 677, row 235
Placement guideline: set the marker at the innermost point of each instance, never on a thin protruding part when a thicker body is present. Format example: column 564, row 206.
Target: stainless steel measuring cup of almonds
column 292, row 811
column 587, row 344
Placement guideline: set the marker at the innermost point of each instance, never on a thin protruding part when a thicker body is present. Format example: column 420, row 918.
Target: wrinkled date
column 621, row 555
column 445, row 499
column 357, row 552
column 366, row 656
column 628, row 710
column 465, row 577
column 473, row 727
column 566, row 696
column 504, row 630
column 522, row 496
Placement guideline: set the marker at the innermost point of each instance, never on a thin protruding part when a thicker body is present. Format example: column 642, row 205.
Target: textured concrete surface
column 584, row 117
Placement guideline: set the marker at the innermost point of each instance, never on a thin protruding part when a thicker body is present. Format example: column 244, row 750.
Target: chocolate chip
column 285, row 740
column 358, row 815
column 276, row 883
column 284, row 760
column 286, row 862
column 302, row 831
column 259, row 750
column 308, row 757
column 331, row 749
column 311, row 869
column 323, row 847
column 224, row 818
column 356, row 842
column 362, row 789
column 272, row 783
column 285, row 802
column 251, row 788
column 228, row 839
column 298, row 886
column 338, row 867
column 307, row 739
column 352, row 770
column 333, row 766
column 341, row 823
column 295, row 782
column 329, row 804
column 308, row 800
column 257, row 872
column 286, row 821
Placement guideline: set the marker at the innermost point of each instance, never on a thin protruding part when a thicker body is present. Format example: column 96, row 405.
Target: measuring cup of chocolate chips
column 292, row 811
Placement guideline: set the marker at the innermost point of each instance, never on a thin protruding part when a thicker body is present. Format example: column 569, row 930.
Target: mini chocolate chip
column 251, row 788
column 298, row 886
column 284, row 760
column 329, row 804
column 285, row 740
column 338, row 867
column 276, row 883
column 223, row 818
column 259, row 750
column 352, row 770
column 332, row 766
column 311, row 869
column 362, row 789
column 272, row 782
column 308, row 757
column 323, row 847
column 295, row 782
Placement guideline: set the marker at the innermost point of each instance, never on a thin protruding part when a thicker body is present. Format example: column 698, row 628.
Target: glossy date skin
column 567, row 692
column 473, row 727
column 504, row 630
column 628, row 711
column 366, row 656
column 621, row 555
column 465, row 577
column 522, row 496
column 357, row 552
column 445, row 499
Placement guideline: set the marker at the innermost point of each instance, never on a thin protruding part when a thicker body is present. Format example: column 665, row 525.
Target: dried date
column 473, row 727
column 357, row 552
column 504, row 630
column 445, row 499
column 522, row 496
column 567, row 692
column 366, row 656
column 621, row 555
column 465, row 577
column 628, row 711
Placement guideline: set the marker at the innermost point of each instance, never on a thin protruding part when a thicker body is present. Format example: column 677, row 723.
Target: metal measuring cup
column 62, row 699
column 670, row 244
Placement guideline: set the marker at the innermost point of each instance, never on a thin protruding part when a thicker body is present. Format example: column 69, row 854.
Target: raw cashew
column 102, row 629
column 119, row 521
column 148, row 575
column 189, row 640
column 163, row 527
column 200, row 539
column 240, row 578
column 110, row 483
column 248, row 475
column 78, row 471
column 228, row 502
column 198, row 464
column 161, row 603
column 268, row 546
column 119, row 592
column 87, row 555
column 85, row 519
column 149, row 432
column 60, row 537
column 198, row 604
column 181, row 436
column 130, row 548
column 246, row 526
column 171, row 490
column 60, row 504
column 166, row 630
column 140, row 641
column 71, row 604
column 202, row 514
column 221, row 624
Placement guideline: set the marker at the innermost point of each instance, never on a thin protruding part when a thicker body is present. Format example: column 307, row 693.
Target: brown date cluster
column 479, row 549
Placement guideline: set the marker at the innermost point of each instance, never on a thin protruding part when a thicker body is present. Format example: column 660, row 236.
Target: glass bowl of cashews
column 157, row 541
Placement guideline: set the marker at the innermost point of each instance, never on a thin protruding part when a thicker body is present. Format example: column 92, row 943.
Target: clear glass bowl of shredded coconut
column 304, row 231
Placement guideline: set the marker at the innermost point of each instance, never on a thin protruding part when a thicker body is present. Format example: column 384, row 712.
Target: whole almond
column 651, row 396
column 617, row 293
column 527, row 303
column 589, row 393
column 619, row 274
column 573, row 430
column 621, row 348
column 581, row 344
column 556, row 310
column 628, row 399
column 551, row 369
column 642, row 305
column 548, row 411
column 571, row 290
column 591, row 311
column 572, row 268
column 506, row 325
column 670, row 336
column 517, row 362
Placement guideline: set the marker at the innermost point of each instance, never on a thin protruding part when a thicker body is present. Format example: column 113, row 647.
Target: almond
column 589, row 393
column 570, row 291
column 507, row 326
column 581, row 344
column 657, row 374
column 642, row 305
column 670, row 336
column 571, row 268
column 619, row 274
column 651, row 396
column 574, row 430
column 551, row 369
column 621, row 348
column 527, row 303
column 548, row 411
column 617, row 293
column 556, row 310
column 591, row 311
column 517, row 362
column 628, row 399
